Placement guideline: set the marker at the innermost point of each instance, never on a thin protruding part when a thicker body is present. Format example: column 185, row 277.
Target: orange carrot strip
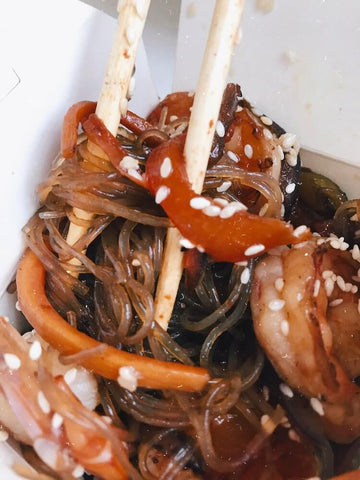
column 67, row 340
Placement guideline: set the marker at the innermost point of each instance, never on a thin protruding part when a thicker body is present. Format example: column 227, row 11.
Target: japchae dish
column 255, row 377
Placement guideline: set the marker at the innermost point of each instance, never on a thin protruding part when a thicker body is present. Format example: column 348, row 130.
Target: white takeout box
column 298, row 63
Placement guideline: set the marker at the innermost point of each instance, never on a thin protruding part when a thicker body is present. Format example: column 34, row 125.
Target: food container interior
column 296, row 61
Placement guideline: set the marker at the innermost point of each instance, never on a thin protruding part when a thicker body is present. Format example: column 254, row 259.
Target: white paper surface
column 54, row 54
column 298, row 63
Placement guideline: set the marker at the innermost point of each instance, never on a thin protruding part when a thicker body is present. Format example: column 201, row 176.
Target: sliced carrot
column 67, row 340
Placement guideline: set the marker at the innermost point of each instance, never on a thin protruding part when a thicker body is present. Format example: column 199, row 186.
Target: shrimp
column 305, row 308
column 42, row 411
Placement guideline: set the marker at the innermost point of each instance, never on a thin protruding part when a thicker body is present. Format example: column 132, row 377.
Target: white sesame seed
column 232, row 156
column 254, row 249
column 334, row 243
column 291, row 159
column 344, row 246
column 256, row 112
column 329, row 286
column 327, row 274
column 263, row 209
column 128, row 378
column 248, row 150
column 224, row 186
column 173, row 117
column 78, row 471
column 266, row 393
column 134, row 173
column 200, row 248
column 355, row 253
column 320, row 241
column 221, row 202
column 35, row 350
column 43, row 402
column 242, row 263
column 220, row 129
column 212, row 211
column 282, row 210
column 285, row 327
column 17, row 306
column 70, row 376
column 341, row 282
column 135, row 262
column 290, row 188
column 266, row 120
column 128, row 162
column 286, row 390
column 336, row 302
column 316, row 287
column 245, row 276
column 57, row 420
column 267, row 134
column 198, row 203
column 294, row 436
column 166, row 167
column 4, row 435
column 162, row 194
column 279, row 284
column 316, row 405
column 228, row 211
column 300, row 230
column 287, row 140
column 299, row 296
column 184, row 242
column 264, row 418
column 12, row 361
column 239, row 108
column 276, row 304
column 354, row 289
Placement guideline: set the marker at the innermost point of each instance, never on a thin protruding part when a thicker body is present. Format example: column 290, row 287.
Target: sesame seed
column 43, row 402
column 135, row 262
column 276, row 304
column 245, row 276
column 184, row 242
column 290, row 188
column 285, row 327
column 334, row 243
column 242, row 263
column 162, row 194
column 354, row 289
column 70, row 376
column 232, row 156
column 329, row 286
column 282, row 210
column 256, row 112
column 336, row 302
column 4, row 435
column 134, row 173
column 229, row 210
column 57, row 420
column 327, row 274
column 239, row 108
column 279, row 284
column 224, row 186
column 35, row 350
column 173, row 117
column 200, row 248
column 294, row 436
column 300, row 230
column 12, row 361
column 264, row 418
column 291, row 159
column 266, row 393
column 316, row 405
column 212, row 210
column 248, row 150
column 267, row 134
column 254, row 249
column 220, row 129
column 199, row 203
column 355, row 253
column 299, row 296
column 78, row 471
column 222, row 202
column 341, row 282
column 128, row 377
column 316, row 287
column 17, row 306
column 263, row 209
column 128, row 162
column 287, row 140
column 266, row 120
column 286, row 390
column 166, row 167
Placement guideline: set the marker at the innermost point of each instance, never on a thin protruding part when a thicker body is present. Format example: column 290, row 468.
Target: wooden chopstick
column 222, row 37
